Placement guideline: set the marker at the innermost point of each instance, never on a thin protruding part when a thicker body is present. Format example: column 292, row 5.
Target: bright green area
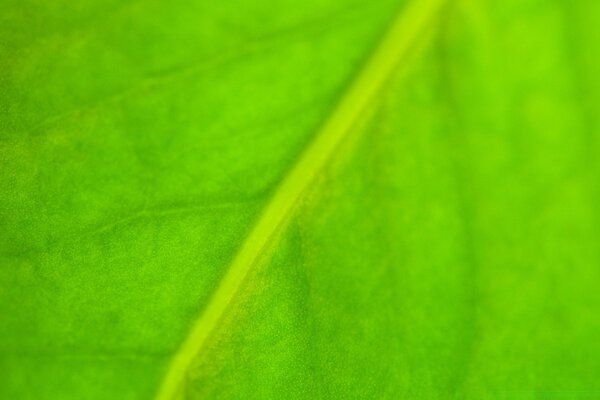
column 451, row 250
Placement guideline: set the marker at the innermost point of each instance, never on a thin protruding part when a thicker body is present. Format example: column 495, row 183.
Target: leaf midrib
column 405, row 31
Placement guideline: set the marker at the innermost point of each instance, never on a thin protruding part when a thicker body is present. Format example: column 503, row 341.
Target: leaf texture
column 446, row 246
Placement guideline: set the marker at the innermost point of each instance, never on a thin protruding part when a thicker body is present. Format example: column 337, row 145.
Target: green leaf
column 320, row 199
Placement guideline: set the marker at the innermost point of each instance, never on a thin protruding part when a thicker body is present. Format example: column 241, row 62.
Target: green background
column 450, row 250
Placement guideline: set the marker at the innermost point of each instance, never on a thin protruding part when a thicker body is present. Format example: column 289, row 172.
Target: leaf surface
column 444, row 245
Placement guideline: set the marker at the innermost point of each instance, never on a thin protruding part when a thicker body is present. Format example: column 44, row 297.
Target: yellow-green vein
column 408, row 27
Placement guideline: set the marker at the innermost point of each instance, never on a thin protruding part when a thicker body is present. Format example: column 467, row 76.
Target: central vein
column 405, row 31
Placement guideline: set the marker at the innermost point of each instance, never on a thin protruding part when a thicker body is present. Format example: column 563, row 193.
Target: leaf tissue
column 328, row 199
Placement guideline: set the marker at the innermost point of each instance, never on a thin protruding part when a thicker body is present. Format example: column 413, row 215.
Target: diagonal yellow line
column 406, row 30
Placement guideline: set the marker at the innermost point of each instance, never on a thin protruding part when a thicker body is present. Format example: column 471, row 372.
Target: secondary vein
column 405, row 31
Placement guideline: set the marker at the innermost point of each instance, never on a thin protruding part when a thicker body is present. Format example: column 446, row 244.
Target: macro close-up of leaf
column 328, row 199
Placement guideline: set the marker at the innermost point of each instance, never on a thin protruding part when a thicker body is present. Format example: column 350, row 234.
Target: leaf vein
column 405, row 31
